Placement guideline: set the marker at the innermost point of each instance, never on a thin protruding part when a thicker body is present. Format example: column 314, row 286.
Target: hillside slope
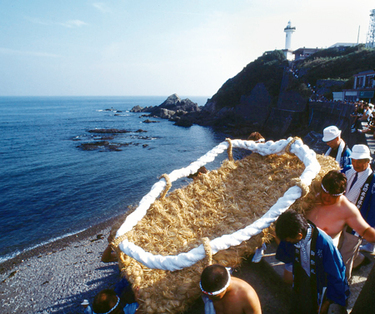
column 271, row 95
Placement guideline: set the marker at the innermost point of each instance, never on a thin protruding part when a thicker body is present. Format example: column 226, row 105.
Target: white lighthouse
column 289, row 30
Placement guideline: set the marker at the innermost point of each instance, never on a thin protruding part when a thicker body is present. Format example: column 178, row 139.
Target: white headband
column 324, row 189
column 218, row 291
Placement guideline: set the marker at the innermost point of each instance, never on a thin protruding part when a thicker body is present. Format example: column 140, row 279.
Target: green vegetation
column 267, row 69
column 336, row 64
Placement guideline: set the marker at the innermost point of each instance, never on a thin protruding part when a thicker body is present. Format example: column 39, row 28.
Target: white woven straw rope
column 182, row 260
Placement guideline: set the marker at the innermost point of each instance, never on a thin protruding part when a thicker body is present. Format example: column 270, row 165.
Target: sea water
column 50, row 187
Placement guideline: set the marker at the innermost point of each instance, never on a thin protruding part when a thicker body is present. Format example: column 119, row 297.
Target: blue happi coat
column 325, row 261
column 366, row 202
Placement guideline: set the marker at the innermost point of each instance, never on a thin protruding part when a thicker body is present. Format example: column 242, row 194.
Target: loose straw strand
column 229, row 149
column 167, row 187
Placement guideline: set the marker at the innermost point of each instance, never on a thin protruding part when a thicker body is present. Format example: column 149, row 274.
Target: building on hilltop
column 343, row 46
column 303, row 53
column 363, row 88
column 288, row 52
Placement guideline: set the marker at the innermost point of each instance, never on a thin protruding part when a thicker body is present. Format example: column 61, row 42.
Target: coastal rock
column 93, row 145
column 101, row 139
column 141, row 109
column 175, row 103
column 150, row 121
column 114, row 131
column 164, row 113
column 173, row 108
column 103, row 145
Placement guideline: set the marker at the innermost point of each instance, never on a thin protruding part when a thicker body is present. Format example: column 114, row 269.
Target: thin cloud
column 27, row 53
column 73, row 23
column 67, row 24
column 102, row 7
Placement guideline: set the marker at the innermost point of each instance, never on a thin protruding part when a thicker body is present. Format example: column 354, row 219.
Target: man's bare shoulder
column 246, row 295
column 347, row 206
column 238, row 283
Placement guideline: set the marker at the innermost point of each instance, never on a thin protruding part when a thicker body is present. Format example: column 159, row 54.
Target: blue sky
column 144, row 47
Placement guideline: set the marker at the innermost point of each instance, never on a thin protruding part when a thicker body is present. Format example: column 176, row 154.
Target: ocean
column 50, row 187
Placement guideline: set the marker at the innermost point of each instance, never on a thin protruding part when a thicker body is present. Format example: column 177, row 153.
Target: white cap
column 360, row 151
column 85, row 302
column 330, row 133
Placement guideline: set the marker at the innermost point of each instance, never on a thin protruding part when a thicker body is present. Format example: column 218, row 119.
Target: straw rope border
column 187, row 259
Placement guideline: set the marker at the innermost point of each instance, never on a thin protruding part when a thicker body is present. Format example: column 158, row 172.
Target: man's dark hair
column 214, row 278
column 334, row 182
column 255, row 136
column 290, row 224
column 104, row 301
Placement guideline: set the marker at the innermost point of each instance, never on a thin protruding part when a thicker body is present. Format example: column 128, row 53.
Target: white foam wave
column 15, row 254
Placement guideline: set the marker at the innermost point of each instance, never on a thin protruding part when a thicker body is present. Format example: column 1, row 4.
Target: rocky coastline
column 180, row 111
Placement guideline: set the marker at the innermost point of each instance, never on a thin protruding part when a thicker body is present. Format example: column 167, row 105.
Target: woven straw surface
column 219, row 202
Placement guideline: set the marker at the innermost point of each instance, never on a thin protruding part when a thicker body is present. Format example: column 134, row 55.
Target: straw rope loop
column 118, row 240
column 208, row 250
column 289, row 145
column 167, row 187
column 115, row 244
column 229, row 149
column 304, row 187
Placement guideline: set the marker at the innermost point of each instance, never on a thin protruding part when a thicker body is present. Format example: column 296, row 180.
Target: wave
column 18, row 252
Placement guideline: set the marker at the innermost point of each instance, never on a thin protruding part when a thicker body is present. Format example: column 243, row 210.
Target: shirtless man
column 334, row 211
column 229, row 295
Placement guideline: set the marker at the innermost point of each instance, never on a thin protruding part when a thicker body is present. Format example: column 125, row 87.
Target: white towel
column 208, row 305
column 339, row 151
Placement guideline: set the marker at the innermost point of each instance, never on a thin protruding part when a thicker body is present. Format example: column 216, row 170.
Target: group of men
column 321, row 247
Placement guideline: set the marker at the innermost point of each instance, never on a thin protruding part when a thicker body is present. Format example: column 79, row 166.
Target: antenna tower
column 370, row 42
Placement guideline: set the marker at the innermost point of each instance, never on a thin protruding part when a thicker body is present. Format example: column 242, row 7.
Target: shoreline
column 58, row 276
column 56, row 245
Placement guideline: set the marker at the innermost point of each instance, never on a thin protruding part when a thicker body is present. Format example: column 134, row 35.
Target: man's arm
column 252, row 303
column 357, row 223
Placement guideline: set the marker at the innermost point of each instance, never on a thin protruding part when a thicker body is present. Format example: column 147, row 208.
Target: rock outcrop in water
column 173, row 108
column 105, row 143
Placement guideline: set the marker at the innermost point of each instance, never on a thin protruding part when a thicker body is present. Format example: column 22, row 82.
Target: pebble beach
column 55, row 278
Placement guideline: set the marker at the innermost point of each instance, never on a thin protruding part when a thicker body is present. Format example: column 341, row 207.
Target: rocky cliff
column 280, row 98
column 276, row 97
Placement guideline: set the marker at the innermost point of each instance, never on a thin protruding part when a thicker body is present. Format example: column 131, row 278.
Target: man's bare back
column 239, row 298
